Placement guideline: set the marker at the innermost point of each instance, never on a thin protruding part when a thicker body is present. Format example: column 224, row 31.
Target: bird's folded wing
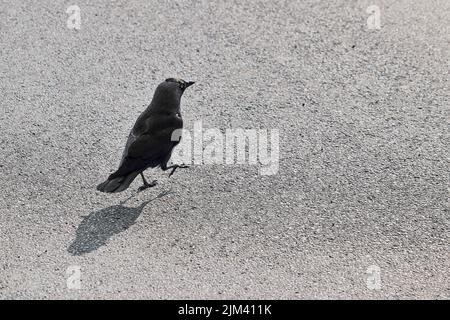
column 146, row 151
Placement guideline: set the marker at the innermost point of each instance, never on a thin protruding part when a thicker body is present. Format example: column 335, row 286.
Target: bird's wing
column 150, row 148
column 131, row 138
column 140, row 127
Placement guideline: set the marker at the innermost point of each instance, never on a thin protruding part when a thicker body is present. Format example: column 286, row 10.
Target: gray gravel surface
column 364, row 150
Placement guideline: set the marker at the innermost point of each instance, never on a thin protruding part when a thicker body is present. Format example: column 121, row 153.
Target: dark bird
column 150, row 142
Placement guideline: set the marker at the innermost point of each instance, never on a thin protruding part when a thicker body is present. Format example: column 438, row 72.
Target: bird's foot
column 176, row 166
column 148, row 185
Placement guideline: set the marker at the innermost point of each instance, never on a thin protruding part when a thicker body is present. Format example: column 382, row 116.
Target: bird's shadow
column 97, row 227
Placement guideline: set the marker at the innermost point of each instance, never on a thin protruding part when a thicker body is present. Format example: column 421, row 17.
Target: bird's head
column 178, row 84
column 168, row 94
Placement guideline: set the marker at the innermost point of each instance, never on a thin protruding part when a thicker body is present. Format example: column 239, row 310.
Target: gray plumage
column 150, row 144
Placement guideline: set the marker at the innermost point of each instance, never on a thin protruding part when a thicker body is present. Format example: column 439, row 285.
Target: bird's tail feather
column 117, row 184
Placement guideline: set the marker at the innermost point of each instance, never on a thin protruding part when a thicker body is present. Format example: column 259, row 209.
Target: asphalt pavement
column 359, row 207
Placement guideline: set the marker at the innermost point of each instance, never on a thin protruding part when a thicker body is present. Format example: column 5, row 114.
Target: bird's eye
column 182, row 86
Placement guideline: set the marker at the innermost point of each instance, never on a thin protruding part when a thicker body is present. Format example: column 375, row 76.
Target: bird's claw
column 148, row 185
column 182, row 166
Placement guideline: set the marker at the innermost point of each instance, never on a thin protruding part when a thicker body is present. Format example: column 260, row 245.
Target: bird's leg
column 146, row 184
column 174, row 167
column 143, row 179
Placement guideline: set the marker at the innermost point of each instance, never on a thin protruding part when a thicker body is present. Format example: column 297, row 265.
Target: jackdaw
column 150, row 144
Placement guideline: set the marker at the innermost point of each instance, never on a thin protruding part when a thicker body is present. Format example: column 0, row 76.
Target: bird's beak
column 190, row 83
